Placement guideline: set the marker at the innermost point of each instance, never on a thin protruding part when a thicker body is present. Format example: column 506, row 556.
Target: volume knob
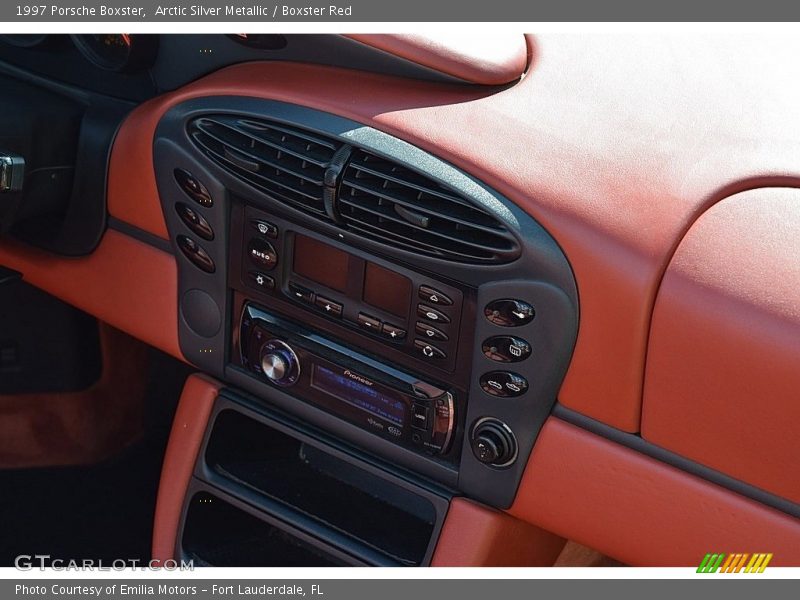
column 279, row 363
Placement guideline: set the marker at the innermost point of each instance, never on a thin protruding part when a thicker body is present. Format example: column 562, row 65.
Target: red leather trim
column 477, row 58
column 188, row 428
column 639, row 510
column 476, row 536
column 723, row 366
column 126, row 283
column 597, row 142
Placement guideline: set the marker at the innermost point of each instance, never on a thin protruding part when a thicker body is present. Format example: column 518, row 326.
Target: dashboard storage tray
column 383, row 521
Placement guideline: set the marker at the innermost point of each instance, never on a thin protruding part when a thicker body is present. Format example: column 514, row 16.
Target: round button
column 194, row 221
column 503, row 384
column 509, row 312
column 279, row 363
column 262, row 253
column 506, row 348
column 493, row 443
column 195, row 253
column 274, row 366
column 193, row 188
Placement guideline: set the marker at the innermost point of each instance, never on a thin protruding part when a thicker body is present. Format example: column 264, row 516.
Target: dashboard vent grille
column 398, row 206
column 286, row 162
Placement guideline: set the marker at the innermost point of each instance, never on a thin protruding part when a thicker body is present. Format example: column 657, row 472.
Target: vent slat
column 384, row 212
column 285, row 162
column 309, row 137
column 261, row 181
column 419, row 187
column 398, row 240
column 416, row 206
column 399, row 206
column 319, row 159
column 273, row 164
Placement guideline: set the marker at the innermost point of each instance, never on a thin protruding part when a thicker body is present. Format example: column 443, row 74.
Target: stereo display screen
column 354, row 390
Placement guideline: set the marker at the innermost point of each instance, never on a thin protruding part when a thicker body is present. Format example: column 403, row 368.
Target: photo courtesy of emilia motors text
column 374, row 299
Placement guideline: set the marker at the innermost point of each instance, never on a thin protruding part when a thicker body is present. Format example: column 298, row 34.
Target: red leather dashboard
column 723, row 368
column 615, row 167
column 618, row 145
column 483, row 59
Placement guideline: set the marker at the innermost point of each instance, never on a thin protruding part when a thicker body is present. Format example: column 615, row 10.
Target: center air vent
column 373, row 196
column 395, row 205
column 286, row 162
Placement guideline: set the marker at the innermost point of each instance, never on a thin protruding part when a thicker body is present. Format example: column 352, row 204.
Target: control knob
column 279, row 363
column 493, row 443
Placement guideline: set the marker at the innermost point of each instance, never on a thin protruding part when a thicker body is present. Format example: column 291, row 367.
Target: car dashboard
column 442, row 305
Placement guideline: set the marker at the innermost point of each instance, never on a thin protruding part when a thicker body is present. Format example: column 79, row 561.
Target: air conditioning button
column 262, row 253
column 393, row 332
column 264, row 282
column 431, row 314
column 429, row 351
column 369, row 323
column 334, row 309
column 430, row 332
column 298, row 292
column 434, row 296
column 265, row 228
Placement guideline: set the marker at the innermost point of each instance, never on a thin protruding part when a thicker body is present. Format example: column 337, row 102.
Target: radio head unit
column 386, row 401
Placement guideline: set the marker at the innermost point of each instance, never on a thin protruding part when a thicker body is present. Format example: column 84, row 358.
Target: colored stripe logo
column 734, row 563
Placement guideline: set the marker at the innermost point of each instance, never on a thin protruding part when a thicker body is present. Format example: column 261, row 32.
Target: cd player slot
column 344, row 500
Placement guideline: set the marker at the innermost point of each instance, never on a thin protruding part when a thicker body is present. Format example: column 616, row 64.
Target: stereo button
column 503, row 384
column 392, row 332
column 369, row 323
column 429, row 350
column 430, row 332
column 330, row 307
column 419, row 416
column 431, row 314
column 434, row 296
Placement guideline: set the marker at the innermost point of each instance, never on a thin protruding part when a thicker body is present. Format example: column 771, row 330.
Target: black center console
column 365, row 290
